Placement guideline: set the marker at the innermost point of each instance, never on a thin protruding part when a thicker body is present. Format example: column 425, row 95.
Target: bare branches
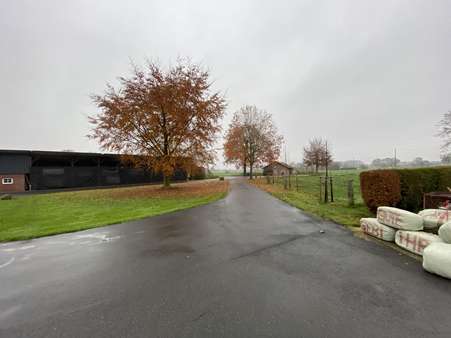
column 316, row 154
column 445, row 130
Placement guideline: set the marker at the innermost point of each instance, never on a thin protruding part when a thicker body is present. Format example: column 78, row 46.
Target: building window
column 7, row 180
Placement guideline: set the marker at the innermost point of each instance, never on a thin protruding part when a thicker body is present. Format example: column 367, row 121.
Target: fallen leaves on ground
column 189, row 189
column 271, row 188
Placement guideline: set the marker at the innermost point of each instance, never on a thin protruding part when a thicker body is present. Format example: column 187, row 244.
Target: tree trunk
column 244, row 169
column 250, row 171
column 166, row 181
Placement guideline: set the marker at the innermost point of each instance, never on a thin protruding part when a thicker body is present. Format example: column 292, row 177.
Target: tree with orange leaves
column 252, row 139
column 234, row 146
column 168, row 117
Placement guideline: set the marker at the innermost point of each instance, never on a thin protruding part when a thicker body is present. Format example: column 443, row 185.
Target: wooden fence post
column 297, row 185
column 351, row 201
column 331, row 190
column 320, row 189
column 326, row 192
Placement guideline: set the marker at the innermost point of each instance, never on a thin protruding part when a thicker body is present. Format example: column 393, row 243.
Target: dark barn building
column 22, row 170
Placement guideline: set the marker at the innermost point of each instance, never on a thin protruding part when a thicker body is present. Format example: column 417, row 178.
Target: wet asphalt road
column 246, row 266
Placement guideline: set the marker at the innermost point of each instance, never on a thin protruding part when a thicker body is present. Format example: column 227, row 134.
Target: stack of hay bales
column 437, row 256
column 372, row 227
column 434, row 218
column 409, row 225
column 399, row 226
column 405, row 229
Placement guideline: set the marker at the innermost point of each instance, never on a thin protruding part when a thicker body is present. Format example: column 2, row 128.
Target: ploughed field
column 26, row 217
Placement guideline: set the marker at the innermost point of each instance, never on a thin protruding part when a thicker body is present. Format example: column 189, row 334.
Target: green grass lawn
column 307, row 197
column 33, row 216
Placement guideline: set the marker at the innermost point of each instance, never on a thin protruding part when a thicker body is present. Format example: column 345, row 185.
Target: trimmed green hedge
column 380, row 187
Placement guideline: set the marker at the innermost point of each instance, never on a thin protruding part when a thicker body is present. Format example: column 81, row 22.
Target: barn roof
column 283, row 164
column 53, row 153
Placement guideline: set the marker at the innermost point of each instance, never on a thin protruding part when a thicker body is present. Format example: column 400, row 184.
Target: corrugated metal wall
column 15, row 164
column 72, row 177
column 53, row 170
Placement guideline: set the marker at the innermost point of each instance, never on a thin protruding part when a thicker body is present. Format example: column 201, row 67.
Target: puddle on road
column 17, row 252
column 95, row 238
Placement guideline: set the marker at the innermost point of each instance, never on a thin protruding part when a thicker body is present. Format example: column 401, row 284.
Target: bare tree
column 446, row 158
column 445, row 130
column 252, row 138
column 317, row 154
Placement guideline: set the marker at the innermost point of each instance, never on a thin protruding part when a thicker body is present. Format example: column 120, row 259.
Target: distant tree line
column 379, row 163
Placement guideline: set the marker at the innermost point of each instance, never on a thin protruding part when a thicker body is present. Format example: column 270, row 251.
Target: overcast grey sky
column 368, row 75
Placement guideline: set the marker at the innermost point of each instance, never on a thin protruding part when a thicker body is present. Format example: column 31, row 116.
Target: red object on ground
column 437, row 200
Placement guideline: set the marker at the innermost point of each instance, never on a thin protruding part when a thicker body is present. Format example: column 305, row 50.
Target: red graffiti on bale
column 442, row 216
column 413, row 242
column 372, row 230
column 389, row 218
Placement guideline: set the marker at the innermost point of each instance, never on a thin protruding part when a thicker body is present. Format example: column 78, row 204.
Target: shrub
column 198, row 173
column 445, row 178
column 221, row 178
column 403, row 188
column 380, row 188
column 416, row 182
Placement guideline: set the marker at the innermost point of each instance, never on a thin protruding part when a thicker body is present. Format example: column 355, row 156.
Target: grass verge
column 307, row 199
column 34, row 216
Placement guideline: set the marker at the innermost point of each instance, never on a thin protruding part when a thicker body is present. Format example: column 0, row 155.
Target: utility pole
column 326, row 193
column 395, row 159
column 285, row 147
column 327, row 162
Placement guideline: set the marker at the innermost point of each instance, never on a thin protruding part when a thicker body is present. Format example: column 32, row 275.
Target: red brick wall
column 17, row 186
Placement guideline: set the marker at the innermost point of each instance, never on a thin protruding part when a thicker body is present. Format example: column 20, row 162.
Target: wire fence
column 337, row 188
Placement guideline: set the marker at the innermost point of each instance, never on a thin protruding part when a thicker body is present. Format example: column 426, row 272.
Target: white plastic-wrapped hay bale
column 445, row 232
column 437, row 259
column 399, row 219
column 415, row 241
column 372, row 227
column 433, row 218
